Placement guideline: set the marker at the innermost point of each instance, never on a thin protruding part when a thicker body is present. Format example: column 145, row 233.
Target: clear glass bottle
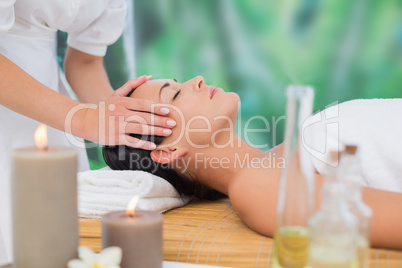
column 296, row 187
column 350, row 173
column 333, row 228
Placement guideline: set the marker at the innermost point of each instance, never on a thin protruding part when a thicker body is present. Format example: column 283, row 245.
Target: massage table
column 212, row 233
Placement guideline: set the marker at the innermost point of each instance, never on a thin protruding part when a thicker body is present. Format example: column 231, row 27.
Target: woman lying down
column 206, row 163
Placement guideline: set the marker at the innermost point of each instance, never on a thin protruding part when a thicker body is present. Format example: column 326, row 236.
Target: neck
column 217, row 167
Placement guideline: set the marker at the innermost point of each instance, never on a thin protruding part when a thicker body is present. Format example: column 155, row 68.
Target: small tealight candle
column 44, row 202
column 138, row 233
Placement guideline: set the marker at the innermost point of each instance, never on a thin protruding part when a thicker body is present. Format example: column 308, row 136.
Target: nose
column 198, row 83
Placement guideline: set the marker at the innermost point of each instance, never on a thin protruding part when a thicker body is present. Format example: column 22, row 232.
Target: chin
column 235, row 101
column 229, row 106
column 234, row 96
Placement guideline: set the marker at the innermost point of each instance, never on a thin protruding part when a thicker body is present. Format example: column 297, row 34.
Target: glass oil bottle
column 296, row 189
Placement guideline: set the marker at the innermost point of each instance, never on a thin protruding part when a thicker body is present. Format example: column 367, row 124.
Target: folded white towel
column 374, row 125
column 105, row 190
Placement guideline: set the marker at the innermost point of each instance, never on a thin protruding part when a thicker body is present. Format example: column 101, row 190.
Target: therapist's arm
column 23, row 94
column 87, row 76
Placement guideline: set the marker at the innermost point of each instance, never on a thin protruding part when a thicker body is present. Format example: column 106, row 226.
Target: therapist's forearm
column 87, row 76
column 25, row 95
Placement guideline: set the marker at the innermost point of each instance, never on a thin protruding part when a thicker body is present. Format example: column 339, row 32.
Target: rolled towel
column 105, row 190
column 374, row 125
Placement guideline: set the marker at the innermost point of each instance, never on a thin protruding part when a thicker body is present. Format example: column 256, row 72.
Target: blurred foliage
column 344, row 49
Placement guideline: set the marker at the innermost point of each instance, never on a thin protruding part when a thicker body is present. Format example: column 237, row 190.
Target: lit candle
column 44, row 201
column 137, row 233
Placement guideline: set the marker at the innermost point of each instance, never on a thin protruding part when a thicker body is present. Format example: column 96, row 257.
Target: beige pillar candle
column 44, row 207
column 138, row 234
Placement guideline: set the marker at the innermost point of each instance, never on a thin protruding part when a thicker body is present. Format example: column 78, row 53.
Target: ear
column 166, row 155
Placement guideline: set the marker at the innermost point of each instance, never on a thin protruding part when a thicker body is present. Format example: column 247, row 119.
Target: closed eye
column 177, row 93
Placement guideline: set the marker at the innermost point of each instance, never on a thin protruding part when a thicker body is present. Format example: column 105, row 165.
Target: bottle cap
column 350, row 149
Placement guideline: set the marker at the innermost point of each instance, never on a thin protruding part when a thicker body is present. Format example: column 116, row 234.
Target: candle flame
column 131, row 206
column 41, row 137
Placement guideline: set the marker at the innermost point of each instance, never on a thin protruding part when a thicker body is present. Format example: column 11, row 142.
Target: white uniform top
column 28, row 38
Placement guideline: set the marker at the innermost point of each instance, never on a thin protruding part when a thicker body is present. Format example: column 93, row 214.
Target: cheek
column 190, row 107
column 181, row 112
column 204, row 114
column 194, row 121
column 198, row 119
column 192, row 131
column 198, row 114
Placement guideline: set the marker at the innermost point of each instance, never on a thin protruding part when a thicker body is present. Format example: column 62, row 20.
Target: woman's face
column 199, row 110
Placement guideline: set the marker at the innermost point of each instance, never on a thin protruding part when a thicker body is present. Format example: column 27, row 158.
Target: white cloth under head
column 105, row 190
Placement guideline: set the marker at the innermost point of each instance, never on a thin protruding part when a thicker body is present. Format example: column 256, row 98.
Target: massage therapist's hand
column 121, row 116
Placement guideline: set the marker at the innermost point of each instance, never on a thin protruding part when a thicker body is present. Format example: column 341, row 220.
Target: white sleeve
column 102, row 32
column 7, row 16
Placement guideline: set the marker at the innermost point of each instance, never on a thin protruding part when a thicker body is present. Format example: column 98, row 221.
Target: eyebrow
column 160, row 90
column 165, row 85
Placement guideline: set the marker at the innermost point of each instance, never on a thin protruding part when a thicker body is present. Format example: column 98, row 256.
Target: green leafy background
column 344, row 49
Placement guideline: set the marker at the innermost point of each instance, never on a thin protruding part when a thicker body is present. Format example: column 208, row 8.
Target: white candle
column 138, row 234
column 44, row 201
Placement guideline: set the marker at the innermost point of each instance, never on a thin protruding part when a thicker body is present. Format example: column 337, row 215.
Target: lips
column 213, row 91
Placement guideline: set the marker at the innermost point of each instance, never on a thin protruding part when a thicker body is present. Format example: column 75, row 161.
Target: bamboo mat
column 212, row 233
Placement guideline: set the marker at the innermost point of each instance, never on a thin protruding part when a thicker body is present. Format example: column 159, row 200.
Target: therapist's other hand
column 122, row 116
